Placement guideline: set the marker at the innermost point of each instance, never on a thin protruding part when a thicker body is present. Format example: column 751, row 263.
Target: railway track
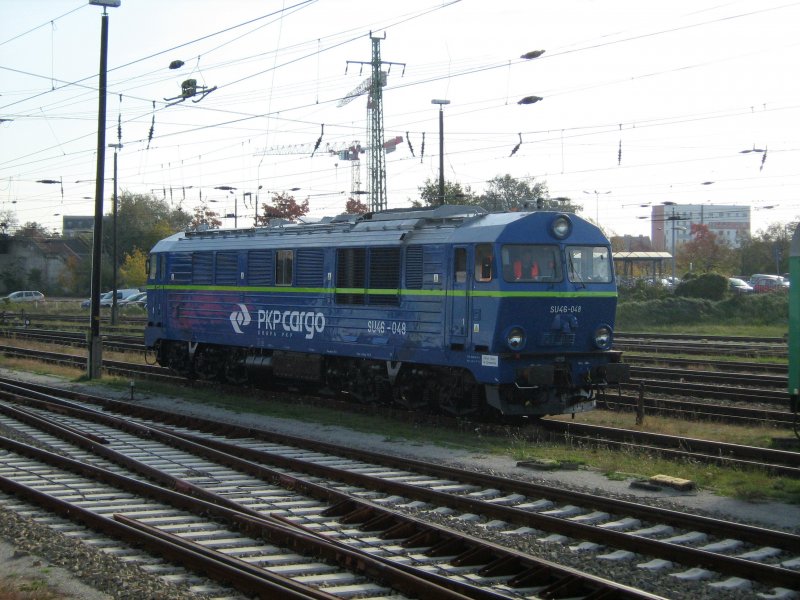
column 265, row 528
column 699, row 411
column 353, row 489
column 775, row 461
column 733, row 413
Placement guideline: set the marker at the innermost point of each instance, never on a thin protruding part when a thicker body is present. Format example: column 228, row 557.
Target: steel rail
column 366, row 512
column 699, row 410
column 780, row 462
column 520, row 564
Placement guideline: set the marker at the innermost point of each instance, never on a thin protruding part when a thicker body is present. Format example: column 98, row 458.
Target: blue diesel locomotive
column 450, row 308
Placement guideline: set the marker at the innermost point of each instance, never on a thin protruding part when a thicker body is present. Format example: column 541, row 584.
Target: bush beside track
column 755, row 309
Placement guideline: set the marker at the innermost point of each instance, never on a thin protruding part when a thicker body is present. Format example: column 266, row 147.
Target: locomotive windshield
column 589, row 264
column 528, row 262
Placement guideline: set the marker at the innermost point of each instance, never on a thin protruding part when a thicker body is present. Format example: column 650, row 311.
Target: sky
column 642, row 102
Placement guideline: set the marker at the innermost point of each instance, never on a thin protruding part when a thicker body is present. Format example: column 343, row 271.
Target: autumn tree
column 354, row 206
column 705, row 253
column 133, row 272
column 283, row 206
column 204, row 216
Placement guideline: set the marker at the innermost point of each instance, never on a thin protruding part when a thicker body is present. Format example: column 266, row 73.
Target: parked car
column 107, row 297
column 133, row 300
column 739, row 286
column 768, row 283
column 24, row 296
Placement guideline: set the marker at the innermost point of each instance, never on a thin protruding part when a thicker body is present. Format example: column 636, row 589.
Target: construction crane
column 345, row 151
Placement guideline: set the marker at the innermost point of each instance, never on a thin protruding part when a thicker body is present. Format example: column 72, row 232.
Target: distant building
column 38, row 263
column 73, row 226
column 730, row 223
column 631, row 243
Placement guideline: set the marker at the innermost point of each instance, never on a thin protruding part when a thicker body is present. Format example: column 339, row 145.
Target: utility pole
column 114, row 241
column 376, row 154
column 94, row 362
column 441, row 104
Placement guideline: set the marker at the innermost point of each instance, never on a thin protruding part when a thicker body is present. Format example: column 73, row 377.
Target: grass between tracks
column 615, row 464
column 13, row 587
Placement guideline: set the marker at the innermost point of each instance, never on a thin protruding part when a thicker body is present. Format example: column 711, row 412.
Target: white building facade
column 730, row 223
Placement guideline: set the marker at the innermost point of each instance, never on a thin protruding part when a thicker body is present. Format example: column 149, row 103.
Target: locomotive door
column 459, row 299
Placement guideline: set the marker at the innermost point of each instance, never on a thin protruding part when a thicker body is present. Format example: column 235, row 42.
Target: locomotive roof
column 443, row 224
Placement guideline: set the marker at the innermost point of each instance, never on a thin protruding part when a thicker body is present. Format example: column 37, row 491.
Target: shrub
column 711, row 286
column 755, row 309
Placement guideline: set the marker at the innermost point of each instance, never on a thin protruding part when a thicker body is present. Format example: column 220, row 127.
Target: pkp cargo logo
column 240, row 318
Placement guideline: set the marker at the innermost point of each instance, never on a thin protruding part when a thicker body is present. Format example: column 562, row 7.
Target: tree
column 203, row 215
column 142, row 220
column 133, row 272
column 768, row 250
column 453, row 194
column 705, row 253
column 508, row 193
column 33, row 231
column 8, row 221
column 354, row 206
column 283, row 206
column 503, row 193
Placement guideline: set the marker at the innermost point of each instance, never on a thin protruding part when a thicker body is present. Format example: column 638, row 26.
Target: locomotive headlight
column 516, row 339
column 602, row 337
column 561, row 226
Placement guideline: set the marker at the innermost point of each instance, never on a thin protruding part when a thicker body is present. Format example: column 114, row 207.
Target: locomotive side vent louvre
column 202, row 268
column 181, row 267
column 259, row 267
column 310, row 268
column 384, row 275
column 414, row 267
column 351, row 273
column 227, row 268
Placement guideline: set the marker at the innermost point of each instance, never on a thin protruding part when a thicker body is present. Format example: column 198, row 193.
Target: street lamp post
column 597, row 204
column 114, row 241
column 95, row 358
column 441, row 104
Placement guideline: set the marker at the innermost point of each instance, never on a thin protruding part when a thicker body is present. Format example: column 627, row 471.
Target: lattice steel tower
column 376, row 152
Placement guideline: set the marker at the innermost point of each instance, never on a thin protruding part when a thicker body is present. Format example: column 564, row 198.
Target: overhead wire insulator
column 514, row 151
column 532, row 54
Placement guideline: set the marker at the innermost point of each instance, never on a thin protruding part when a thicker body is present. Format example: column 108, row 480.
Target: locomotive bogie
column 449, row 309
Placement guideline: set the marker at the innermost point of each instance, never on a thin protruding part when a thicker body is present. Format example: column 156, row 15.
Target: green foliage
column 641, row 290
column 132, row 272
column 711, row 286
column 755, row 309
column 503, row 193
column 453, row 194
column 768, row 250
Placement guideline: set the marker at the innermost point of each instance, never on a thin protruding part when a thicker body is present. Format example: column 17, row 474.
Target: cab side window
column 484, row 263
column 460, row 264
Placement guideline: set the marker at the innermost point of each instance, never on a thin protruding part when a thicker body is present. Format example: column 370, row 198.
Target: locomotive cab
column 554, row 309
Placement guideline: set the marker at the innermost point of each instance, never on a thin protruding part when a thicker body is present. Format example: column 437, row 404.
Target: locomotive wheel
column 176, row 357
column 209, row 363
column 235, row 371
column 412, row 389
column 458, row 393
